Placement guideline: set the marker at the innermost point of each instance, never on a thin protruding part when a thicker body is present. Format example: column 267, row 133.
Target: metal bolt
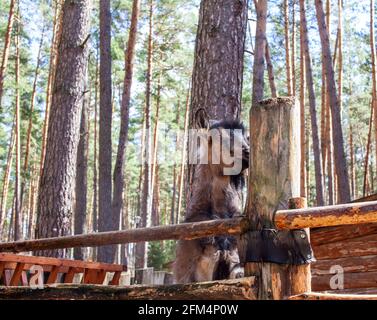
column 303, row 235
column 309, row 256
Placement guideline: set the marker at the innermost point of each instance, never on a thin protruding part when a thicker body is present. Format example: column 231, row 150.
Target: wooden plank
column 68, row 278
column 354, row 291
column 183, row 231
column 349, row 264
column 32, row 260
column 101, row 276
column 89, row 277
column 235, row 289
column 332, row 296
column 16, row 277
column 12, row 266
column 2, row 268
column 350, row 248
column 327, row 235
column 342, row 214
column 352, row 280
column 371, row 197
column 53, row 275
column 24, row 279
column 116, row 278
column 7, row 277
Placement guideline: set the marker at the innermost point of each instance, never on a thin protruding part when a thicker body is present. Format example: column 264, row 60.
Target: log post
column 274, row 178
column 300, row 275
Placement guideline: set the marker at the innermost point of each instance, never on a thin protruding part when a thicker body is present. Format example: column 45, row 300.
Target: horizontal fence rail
column 344, row 214
column 184, row 231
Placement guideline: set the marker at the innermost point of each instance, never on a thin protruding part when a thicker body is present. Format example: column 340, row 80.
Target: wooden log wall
column 356, row 257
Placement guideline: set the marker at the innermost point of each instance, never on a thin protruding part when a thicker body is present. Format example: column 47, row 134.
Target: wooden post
column 300, row 276
column 274, row 178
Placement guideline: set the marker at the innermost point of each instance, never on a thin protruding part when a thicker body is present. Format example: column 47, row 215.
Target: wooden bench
column 15, row 270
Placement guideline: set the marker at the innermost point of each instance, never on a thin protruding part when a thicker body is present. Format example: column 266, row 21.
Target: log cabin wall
column 351, row 249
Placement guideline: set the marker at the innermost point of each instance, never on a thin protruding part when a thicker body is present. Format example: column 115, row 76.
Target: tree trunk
column 270, row 70
column 146, row 200
column 293, row 55
column 260, row 45
column 312, row 104
column 287, row 48
column 56, row 38
column 17, row 231
column 8, row 168
column 340, row 53
column 338, row 141
column 374, row 76
column 106, row 221
column 175, row 175
column 55, row 205
column 7, row 41
column 218, row 65
column 82, row 175
column 328, row 127
column 352, row 165
column 95, row 161
column 118, row 175
column 155, row 139
column 33, row 197
column 183, row 157
column 32, row 102
column 367, row 152
column 303, row 180
column 156, row 200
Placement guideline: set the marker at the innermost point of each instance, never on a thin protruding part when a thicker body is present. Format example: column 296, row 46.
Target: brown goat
column 217, row 195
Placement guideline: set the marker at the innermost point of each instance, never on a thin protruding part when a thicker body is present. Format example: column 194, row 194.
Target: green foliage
column 160, row 254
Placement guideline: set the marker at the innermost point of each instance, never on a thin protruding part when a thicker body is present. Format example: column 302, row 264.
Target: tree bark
column 374, row 76
column 58, row 175
column 340, row 53
column 367, row 152
column 4, row 193
column 338, row 140
column 106, row 221
column 312, row 104
column 352, row 165
column 118, row 175
column 146, row 199
column 32, row 101
column 303, row 180
column 287, row 47
column 7, row 41
column 270, row 70
column 234, row 289
column 17, row 228
column 175, row 171
column 260, row 45
column 81, row 187
column 56, row 38
column 218, row 66
column 183, row 157
column 293, row 55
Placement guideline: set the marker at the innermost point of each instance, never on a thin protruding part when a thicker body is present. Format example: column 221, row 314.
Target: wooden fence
column 273, row 183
